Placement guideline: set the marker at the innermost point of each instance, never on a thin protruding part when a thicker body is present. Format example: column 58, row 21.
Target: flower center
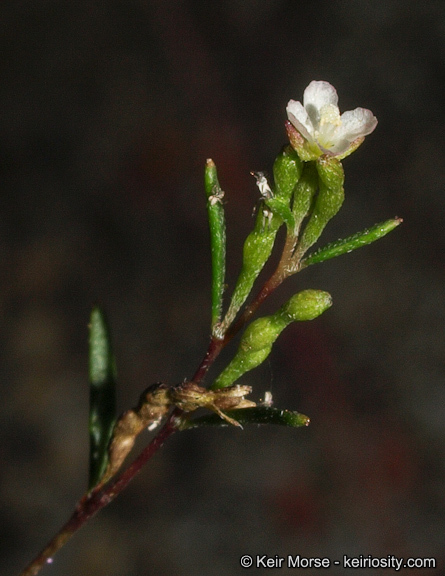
column 329, row 122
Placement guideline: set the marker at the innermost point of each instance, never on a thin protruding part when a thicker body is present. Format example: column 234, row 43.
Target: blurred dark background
column 108, row 111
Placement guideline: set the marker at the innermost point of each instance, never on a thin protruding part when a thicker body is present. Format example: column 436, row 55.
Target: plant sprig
column 306, row 193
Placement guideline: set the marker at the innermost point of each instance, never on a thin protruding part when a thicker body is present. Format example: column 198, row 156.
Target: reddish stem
column 283, row 271
column 91, row 503
column 267, row 289
column 212, row 353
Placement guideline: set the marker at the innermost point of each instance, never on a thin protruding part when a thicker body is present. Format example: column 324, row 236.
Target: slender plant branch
column 94, row 501
column 215, row 347
column 300, row 172
column 268, row 287
column 285, row 268
column 91, row 503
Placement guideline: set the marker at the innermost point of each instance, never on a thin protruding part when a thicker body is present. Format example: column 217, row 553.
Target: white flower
column 319, row 122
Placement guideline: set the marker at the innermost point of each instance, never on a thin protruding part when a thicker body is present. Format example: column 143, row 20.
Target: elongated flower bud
column 258, row 338
column 327, row 203
column 287, row 171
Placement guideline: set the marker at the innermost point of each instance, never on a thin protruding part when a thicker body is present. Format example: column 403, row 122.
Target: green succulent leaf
column 260, row 242
column 256, row 252
column 351, row 243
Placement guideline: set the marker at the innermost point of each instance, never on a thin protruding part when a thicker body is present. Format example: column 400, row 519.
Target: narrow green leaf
column 217, row 226
column 102, row 375
column 351, row 243
column 257, row 415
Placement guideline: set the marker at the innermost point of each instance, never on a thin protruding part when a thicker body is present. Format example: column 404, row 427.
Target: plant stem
column 285, row 268
column 215, row 347
column 92, row 502
column 95, row 500
column 272, row 284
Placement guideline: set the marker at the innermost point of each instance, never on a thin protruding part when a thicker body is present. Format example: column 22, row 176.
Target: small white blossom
column 324, row 130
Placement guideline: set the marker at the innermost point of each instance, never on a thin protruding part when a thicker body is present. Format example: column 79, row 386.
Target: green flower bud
column 287, row 171
column 263, row 332
column 242, row 363
column 304, row 194
column 307, row 305
column 327, row 203
column 258, row 338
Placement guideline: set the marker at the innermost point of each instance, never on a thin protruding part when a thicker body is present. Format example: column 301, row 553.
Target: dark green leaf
column 257, row 415
column 102, row 375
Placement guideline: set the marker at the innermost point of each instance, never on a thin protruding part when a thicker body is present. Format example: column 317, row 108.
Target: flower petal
column 299, row 117
column 340, row 146
column 319, row 94
column 356, row 123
